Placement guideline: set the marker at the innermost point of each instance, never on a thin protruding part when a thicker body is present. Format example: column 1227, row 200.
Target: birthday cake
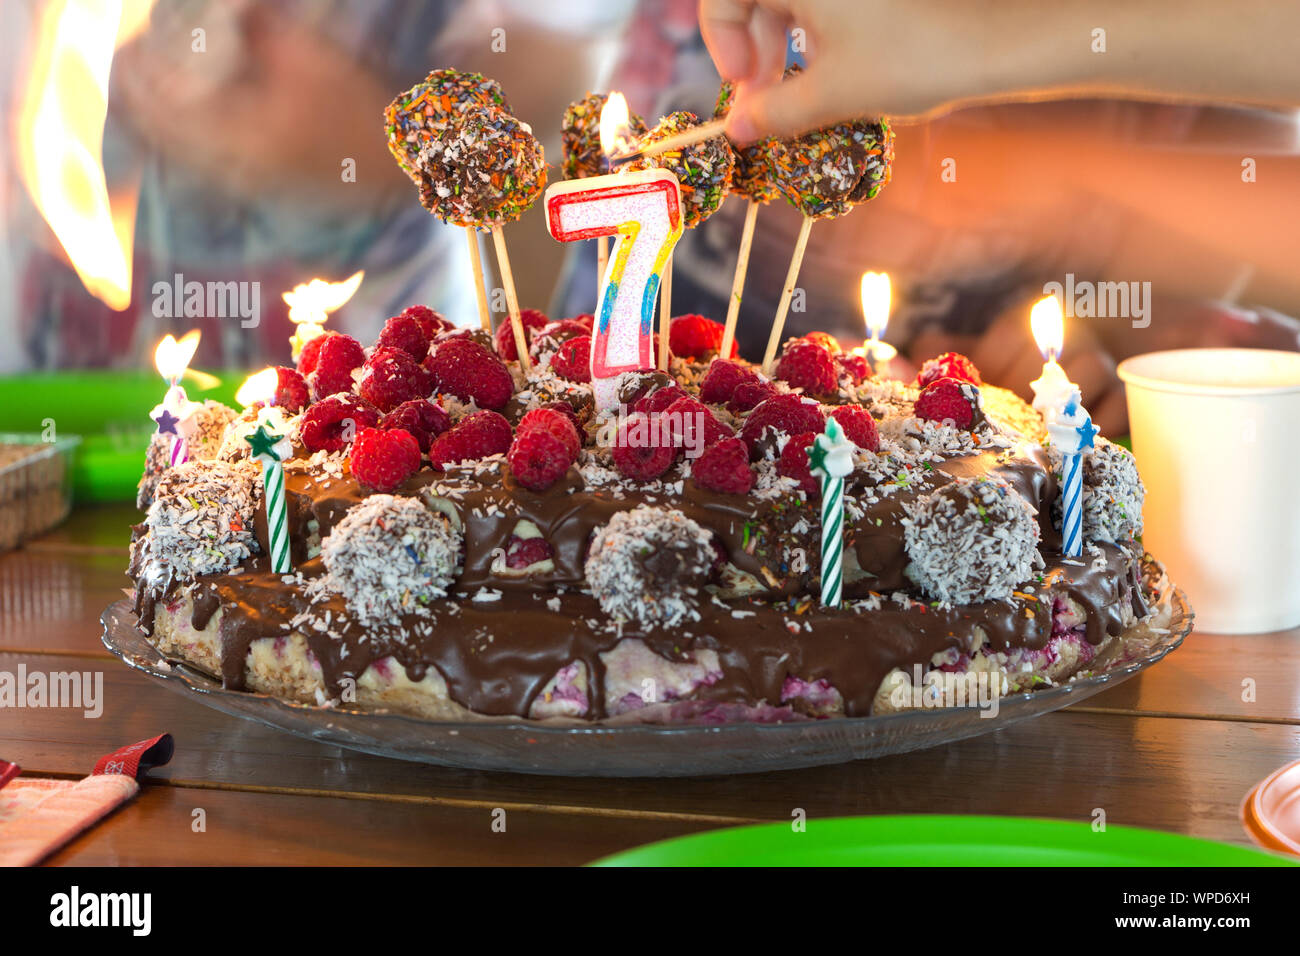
column 467, row 539
column 535, row 523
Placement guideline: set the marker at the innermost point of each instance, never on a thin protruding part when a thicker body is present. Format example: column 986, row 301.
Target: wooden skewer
column 665, row 313
column 738, row 283
column 476, row 261
column 512, row 300
column 791, row 277
column 602, row 259
column 696, row 134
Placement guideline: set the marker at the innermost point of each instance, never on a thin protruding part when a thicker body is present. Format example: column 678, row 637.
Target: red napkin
column 39, row 815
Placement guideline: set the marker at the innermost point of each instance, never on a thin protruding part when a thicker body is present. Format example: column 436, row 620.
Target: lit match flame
column 1048, row 325
column 616, row 136
column 60, row 137
column 875, row 302
column 259, row 387
column 172, row 357
column 310, row 304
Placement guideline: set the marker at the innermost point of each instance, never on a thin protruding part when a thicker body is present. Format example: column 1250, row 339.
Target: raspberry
column 291, row 392
column 794, row 464
column 554, row 422
column 785, row 413
column 646, row 460
column 948, row 365
column 724, row 467
column 473, row 437
column 332, row 423
column 464, row 368
column 339, row 355
column 748, row 395
column 656, row 400
column 859, row 426
column 524, row 552
column 855, row 366
column 721, row 379
column 505, row 335
column 808, row 366
column 572, row 360
column 421, row 418
column 391, row 377
column 586, row 320
column 431, row 322
column 694, row 426
column 404, row 332
column 823, row 339
column 310, row 354
column 564, row 408
column 947, row 399
column 382, row 460
column 697, row 337
column 545, row 445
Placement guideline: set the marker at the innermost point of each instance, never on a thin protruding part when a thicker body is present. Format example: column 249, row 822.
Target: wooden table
column 1176, row 748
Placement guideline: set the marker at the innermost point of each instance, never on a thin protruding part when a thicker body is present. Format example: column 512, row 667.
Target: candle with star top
column 1069, row 426
column 830, row 459
column 270, row 449
column 175, row 414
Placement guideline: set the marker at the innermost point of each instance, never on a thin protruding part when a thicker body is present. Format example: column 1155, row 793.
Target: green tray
column 108, row 410
column 924, row 840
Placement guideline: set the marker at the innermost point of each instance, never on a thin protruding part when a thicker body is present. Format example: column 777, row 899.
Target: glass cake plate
column 616, row 749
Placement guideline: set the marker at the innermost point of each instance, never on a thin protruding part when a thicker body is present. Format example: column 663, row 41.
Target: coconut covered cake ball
column 201, row 520
column 580, row 137
column 391, row 556
column 423, row 111
column 825, row 173
column 485, row 170
column 751, row 171
column 648, row 565
column 209, row 428
column 702, row 170
column 1113, row 493
column 972, row 540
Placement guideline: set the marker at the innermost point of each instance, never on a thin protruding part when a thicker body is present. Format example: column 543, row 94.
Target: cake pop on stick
column 824, row 174
column 751, row 177
column 416, row 116
column 584, row 156
column 482, row 171
column 703, row 171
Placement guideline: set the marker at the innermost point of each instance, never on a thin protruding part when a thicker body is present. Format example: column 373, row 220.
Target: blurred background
column 242, row 142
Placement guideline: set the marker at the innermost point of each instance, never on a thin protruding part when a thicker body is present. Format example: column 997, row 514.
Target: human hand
column 865, row 58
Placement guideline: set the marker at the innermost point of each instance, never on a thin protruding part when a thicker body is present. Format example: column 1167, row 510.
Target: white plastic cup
column 1216, row 433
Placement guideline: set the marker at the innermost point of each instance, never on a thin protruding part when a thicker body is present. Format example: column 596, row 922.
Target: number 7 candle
column 644, row 210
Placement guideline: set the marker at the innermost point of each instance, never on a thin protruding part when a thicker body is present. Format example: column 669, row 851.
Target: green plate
column 924, row 840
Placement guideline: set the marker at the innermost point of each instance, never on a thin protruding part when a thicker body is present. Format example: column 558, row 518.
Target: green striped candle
column 830, row 459
column 270, row 449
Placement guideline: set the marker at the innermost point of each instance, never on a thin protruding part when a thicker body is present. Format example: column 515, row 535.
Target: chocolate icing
column 497, row 656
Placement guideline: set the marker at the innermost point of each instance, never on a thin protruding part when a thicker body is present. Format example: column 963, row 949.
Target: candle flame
column 1047, row 322
column 60, row 138
column 310, row 304
column 259, row 387
column 172, row 357
column 876, row 296
column 616, row 135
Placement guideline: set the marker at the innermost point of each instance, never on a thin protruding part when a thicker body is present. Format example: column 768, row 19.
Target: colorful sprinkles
column 580, row 137
column 751, row 172
column 702, row 170
column 427, row 108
